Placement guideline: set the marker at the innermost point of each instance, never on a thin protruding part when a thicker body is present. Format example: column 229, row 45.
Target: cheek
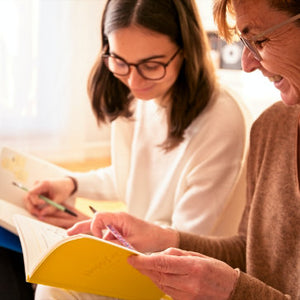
column 272, row 58
column 281, row 58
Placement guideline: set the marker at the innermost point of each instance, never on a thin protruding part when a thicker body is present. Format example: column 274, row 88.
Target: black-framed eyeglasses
column 251, row 43
column 148, row 69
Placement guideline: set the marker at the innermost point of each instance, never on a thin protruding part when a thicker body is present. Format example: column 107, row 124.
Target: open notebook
column 81, row 262
column 26, row 169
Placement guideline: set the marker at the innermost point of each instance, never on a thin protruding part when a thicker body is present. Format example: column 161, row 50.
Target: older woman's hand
column 142, row 235
column 187, row 275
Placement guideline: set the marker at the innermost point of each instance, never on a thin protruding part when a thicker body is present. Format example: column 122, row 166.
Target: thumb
column 80, row 227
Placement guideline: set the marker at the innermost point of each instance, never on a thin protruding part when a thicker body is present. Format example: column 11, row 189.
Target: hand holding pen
column 144, row 236
column 48, row 201
column 115, row 233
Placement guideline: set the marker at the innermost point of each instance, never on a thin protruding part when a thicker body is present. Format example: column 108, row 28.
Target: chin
column 290, row 99
column 141, row 97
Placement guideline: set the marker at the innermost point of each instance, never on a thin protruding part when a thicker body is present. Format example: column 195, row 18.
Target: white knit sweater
column 197, row 187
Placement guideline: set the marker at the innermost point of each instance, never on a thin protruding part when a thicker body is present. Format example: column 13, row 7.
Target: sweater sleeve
column 97, row 184
column 251, row 288
column 247, row 286
column 230, row 250
column 110, row 183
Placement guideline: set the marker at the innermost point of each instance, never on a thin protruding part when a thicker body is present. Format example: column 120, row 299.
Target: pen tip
column 92, row 209
column 71, row 212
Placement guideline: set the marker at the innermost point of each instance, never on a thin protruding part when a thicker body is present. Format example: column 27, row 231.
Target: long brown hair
column 196, row 83
column 224, row 8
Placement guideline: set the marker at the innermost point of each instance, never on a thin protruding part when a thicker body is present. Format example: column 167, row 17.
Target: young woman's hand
column 58, row 190
column 142, row 235
column 63, row 219
column 187, row 275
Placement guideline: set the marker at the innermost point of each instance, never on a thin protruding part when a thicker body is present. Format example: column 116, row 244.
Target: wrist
column 75, row 185
column 169, row 238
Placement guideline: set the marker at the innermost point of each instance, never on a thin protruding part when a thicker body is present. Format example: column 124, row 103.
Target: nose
column 249, row 63
column 134, row 78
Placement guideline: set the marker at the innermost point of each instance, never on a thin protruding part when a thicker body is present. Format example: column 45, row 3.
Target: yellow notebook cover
column 81, row 262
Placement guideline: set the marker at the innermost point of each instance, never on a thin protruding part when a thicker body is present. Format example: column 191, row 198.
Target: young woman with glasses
column 178, row 139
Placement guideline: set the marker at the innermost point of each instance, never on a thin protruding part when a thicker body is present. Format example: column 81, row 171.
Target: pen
column 115, row 232
column 47, row 200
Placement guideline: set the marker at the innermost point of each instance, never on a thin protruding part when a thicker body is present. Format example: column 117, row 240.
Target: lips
column 141, row 90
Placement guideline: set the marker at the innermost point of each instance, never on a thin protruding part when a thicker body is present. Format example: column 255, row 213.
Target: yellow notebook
column 81, row 262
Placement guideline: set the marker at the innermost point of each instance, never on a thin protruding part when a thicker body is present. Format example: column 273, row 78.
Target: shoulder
column 227, row 112
column 277, row 125
column 279, row 109
column 277, row 116
column 228, row 107
column 223, row 117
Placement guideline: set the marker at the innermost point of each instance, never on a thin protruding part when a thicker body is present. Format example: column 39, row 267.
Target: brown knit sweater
column 267, row 248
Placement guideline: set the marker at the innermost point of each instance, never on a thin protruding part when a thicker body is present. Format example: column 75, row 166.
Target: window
column 47, row 48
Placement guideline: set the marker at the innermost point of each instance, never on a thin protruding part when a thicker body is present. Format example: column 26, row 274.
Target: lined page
column 40, row 237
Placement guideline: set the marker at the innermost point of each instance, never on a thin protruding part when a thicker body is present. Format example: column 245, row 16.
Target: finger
column 162, row 263
column 101, row 220
column 40, row 188
column 80, row 227
column 60, row 222
column 48, row 210
column 179, row 252
column 175, row 251
column 108, row 236
column 62, row 219
column 33, row 209
column 33, row 199
column 173, row 284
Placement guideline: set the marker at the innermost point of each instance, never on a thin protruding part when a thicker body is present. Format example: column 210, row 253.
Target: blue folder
column 9, row 240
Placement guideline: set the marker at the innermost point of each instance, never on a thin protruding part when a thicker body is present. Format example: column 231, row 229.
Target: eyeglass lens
column 251, row 48
column 148, row 70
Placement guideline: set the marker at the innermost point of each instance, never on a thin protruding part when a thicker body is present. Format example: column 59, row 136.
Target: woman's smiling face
column 135, row 44
column 279, row 49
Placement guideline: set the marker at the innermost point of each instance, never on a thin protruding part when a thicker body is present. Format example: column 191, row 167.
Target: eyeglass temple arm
column 294, row 18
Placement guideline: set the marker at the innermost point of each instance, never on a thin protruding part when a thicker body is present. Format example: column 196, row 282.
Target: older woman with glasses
column 263, row 260
column 178, row 139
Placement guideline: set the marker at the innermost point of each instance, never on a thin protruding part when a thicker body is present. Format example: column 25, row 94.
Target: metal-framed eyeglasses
column 251, row 43
column 148, row 68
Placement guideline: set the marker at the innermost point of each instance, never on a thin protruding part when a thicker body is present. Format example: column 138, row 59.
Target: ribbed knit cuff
column 75, row 185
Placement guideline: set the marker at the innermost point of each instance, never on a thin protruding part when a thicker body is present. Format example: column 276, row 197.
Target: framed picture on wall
column 225, row 56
